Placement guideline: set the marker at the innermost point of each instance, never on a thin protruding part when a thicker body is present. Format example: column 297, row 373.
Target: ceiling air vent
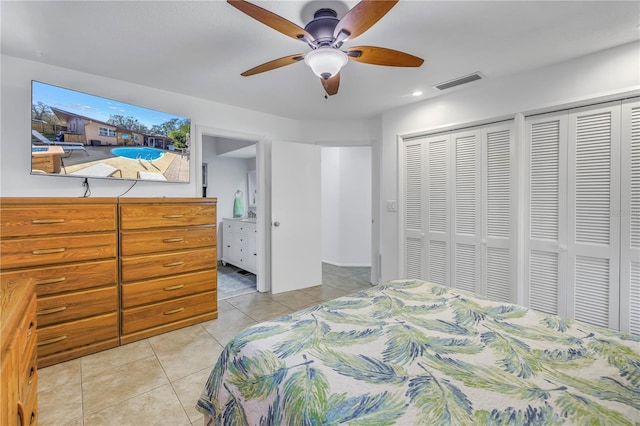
column 458, row 81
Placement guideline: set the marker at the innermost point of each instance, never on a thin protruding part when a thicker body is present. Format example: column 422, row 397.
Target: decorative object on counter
column 238, row 206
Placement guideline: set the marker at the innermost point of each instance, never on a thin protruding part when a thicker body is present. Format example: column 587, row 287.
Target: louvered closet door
column 466, row 256
column 630, row 218
column 437, row 209
column 594, row 232
column 414, row 209
column 545, row 261
column 498, row 249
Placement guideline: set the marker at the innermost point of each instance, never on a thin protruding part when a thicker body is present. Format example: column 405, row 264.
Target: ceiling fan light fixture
column 326, row 62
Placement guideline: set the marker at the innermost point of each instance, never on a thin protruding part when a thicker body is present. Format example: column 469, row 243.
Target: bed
column 410, row 352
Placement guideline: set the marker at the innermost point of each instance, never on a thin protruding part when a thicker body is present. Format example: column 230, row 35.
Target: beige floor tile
column 230, row 321
column 111, row 358
column 296, row 299
column 159, row 406
column 59, row 374
column 265, row 309
column 325, row 292
column 105, row 389
column 186, row 351
column 61, row 404
column 189, row 389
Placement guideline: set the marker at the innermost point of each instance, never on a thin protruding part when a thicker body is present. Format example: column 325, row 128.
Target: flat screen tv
column 81, row 135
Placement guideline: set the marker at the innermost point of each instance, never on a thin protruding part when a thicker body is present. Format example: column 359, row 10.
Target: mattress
column 409, row 352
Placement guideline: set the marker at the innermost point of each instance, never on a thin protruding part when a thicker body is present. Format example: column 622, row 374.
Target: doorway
column 231, row 178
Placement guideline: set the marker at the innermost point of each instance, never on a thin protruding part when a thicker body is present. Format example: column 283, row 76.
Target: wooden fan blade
column 331, row 85
column 382, row 56
column 362, row 17
column 270, row 19
column 276, row 63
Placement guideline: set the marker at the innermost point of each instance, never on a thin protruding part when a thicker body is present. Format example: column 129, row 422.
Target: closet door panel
column 466, row 185
column 498, row 211
column 630, row 218
column 414, row 210
column 594, row 193
column 437, row 236
column 545, row 214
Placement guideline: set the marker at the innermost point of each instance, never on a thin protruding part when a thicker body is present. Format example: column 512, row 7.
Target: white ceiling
column 199, row 48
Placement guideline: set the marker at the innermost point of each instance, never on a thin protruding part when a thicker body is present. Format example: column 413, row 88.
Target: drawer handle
column 173, row 240
column 172, row 216
column 51, row 341
column 174, row 287
column 166, row 265
column 174, row 311
column 51, row 280
column 46, row 221
column 49, row 251
column 52, row 310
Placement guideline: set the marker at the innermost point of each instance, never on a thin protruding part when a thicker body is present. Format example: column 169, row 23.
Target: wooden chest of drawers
column 69, row 246
column 18, row 375
column 167, row 264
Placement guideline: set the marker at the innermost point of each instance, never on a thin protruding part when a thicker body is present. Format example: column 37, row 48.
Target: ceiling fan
column 325, row 34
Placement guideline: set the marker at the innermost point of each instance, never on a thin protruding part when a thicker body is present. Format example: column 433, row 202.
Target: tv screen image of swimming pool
column 135, row 153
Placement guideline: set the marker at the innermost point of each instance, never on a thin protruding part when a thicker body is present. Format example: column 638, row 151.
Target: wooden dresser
column 18, row 374
column 168, row 264
column 69, row 246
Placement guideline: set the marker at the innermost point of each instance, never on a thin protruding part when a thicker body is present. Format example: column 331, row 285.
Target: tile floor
column 158, row 380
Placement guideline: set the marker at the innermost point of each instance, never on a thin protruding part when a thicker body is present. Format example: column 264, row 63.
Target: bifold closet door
column 594, row 234
column 630, row 218
column 546, row 213
column 572, row 263
column 467, row 221
column 498, row 262
column 426, row 209
column 414, row 218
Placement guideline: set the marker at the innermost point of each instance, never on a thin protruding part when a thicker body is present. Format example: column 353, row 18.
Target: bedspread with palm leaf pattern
column 413, row 353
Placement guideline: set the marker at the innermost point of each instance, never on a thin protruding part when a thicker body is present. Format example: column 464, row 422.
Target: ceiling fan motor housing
column 322, row 25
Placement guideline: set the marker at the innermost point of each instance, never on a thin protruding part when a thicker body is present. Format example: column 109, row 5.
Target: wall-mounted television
column 81, row 135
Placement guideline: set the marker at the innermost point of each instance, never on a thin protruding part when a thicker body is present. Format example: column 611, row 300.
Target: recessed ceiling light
column 417, row 93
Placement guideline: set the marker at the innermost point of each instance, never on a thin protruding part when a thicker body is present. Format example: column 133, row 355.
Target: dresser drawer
column 61, row 337
column 72, row 306
column 29, row 375
column 160, row 265
column 27, row 329
column 239, row 226
column 60, row 219
column 145, row 292
column 140, row 318
column 51, row 250
column 142, row 242
column 146, row 216
column 58, row 279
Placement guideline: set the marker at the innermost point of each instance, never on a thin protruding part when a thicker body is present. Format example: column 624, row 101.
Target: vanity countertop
column 241, row 219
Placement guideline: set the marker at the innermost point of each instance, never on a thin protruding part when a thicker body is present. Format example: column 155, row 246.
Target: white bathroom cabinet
column 239, row 243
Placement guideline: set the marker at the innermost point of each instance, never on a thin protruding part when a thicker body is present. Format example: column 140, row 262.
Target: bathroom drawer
column 144, row 216
column 71, row 306
column 22, row 221
column 142, row 242
column 58, row 279
column 144, row 317
column 69, row 335
column 38, row 251
column 144, row 292
column 160, row 265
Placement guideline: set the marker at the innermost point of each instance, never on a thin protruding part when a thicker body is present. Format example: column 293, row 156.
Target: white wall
column 604, row 75
column 15, row 113
column 346, row 206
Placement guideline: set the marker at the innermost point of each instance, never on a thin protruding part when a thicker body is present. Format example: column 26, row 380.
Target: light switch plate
column 392, row 206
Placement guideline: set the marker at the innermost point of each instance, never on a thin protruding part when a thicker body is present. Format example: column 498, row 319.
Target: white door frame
column 263, row 223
